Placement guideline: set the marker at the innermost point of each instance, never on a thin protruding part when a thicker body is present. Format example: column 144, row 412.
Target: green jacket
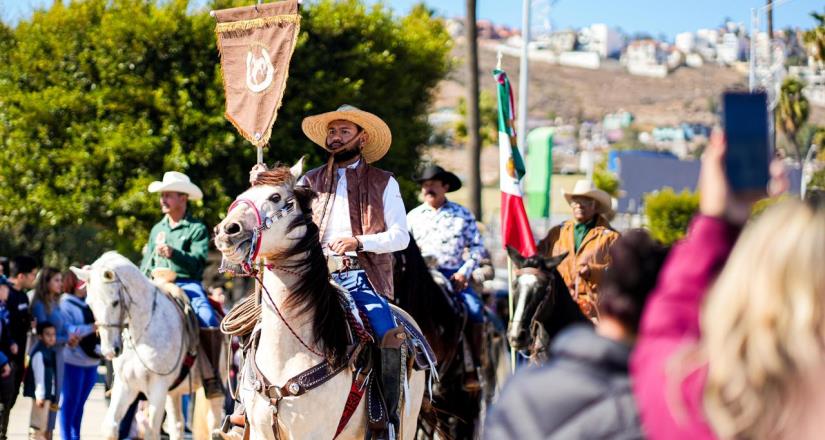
column 189, row 241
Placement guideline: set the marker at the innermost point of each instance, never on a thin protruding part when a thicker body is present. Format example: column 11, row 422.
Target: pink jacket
column 669, row 392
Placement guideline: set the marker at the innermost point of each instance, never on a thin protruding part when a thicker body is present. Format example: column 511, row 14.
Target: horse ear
column 552, row 262
column 298, row 169
column 82, row 274
column 515, row 256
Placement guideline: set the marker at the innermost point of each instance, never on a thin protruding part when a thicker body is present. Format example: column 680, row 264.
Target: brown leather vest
column 365, row 192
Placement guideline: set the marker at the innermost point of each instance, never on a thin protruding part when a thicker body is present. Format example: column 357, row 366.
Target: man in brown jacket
column 361, row 220
column 587, row 238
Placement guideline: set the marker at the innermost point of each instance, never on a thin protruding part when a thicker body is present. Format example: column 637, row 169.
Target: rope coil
column 241, row 320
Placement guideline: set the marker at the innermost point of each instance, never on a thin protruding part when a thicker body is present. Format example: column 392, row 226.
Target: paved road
column 89, row 430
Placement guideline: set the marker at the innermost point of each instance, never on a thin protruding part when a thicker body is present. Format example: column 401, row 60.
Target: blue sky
column 656, row 17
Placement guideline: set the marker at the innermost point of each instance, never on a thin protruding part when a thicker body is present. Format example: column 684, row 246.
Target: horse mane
column 417, row 292
column 314, row 292
column 558, row 310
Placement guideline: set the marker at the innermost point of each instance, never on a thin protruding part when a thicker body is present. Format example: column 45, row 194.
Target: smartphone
column 748, row 156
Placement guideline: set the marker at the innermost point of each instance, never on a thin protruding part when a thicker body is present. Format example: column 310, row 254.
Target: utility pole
column 769, row 13
column 752, row 56
column 473, row 120
column 524, row 76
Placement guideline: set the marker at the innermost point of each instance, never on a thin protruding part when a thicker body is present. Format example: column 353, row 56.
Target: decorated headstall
column 263, row 221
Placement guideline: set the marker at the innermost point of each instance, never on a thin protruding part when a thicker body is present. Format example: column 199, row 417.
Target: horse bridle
column 125, row 316
column 264, row 222
column 124, row 325
column 540, row 275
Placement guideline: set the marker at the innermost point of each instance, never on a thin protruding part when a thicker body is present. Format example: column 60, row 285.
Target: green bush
column 817, row 180
column 669, row 213
column 605, row 180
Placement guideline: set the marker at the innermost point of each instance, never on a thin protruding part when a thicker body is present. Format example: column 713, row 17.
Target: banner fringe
column 238, row 28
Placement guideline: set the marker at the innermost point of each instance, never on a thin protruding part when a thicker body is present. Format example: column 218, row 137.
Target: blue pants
column 77, row 385
column 475, row 308
column 200, row 304
column 368, row 301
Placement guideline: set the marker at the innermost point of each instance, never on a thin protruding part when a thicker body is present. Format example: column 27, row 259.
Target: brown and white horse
column 302, row 323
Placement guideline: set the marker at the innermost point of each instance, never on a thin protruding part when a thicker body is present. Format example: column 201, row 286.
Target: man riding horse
column 444, row 230
column 361, row 220
column 176, row 251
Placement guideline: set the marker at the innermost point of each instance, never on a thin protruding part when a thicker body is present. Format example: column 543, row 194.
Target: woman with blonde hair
column 764, row 329
column 748, row 366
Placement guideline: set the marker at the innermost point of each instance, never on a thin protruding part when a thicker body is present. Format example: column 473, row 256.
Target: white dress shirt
column 395, row 238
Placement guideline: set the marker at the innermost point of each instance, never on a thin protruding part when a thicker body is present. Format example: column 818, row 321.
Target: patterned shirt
column 446, row 233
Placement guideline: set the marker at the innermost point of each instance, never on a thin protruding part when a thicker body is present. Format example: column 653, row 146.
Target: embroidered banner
column 256, row 45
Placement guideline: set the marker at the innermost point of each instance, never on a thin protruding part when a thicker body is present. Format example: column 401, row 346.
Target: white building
column 561, row 41
column 646, row 58
column 685, row 42
column 731, row 49
column 707, row 36
column 601, row 39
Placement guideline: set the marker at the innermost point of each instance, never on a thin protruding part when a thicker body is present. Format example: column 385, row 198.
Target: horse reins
column 283, row 319
column 265, row 222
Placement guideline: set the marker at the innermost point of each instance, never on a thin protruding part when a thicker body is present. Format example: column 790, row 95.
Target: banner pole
column 510, row 304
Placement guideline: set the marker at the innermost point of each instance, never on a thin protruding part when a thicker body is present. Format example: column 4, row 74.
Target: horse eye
column 275, row 198
column 115, row 303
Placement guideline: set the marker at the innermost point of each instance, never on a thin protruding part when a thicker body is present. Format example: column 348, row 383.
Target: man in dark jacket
column 22, row 273
column 584, row 390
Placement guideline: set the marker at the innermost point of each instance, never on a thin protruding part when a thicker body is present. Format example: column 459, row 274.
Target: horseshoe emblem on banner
column 259, row 70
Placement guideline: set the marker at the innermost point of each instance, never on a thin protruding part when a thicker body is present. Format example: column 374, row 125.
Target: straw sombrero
column 379, row 136
column 586, row 188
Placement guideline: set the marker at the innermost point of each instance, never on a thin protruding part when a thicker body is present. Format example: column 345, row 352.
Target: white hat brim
column 188, row 188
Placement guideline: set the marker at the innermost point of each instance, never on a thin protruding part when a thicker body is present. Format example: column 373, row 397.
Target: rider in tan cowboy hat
column 587, row 238
column 361, row 220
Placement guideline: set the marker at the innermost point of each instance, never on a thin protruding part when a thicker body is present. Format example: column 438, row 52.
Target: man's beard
column 348, row 151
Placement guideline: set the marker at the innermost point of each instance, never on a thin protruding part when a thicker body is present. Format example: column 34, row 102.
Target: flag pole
column 510, row 303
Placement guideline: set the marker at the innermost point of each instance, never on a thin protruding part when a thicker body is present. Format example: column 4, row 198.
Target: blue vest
column 49, row 373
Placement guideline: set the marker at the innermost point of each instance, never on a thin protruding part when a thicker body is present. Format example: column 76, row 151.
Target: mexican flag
column 515, row 228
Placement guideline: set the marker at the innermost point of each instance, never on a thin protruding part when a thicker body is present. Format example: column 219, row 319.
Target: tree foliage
column 815, row 38
column 98, row 98
column 792, row 111
column 488, row 113
column 669, row 213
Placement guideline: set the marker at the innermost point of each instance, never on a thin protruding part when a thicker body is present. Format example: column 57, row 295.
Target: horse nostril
column 232, row 228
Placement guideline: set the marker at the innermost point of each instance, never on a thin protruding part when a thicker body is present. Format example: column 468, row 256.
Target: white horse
column 296, row 286
column 134, row 315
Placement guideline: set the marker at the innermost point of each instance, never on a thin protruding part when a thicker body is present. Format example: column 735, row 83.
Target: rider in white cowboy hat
column 359, row 233
column 587, row 238
column 177, row 249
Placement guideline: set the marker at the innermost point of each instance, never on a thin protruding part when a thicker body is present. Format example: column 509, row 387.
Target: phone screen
column 746, row 131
